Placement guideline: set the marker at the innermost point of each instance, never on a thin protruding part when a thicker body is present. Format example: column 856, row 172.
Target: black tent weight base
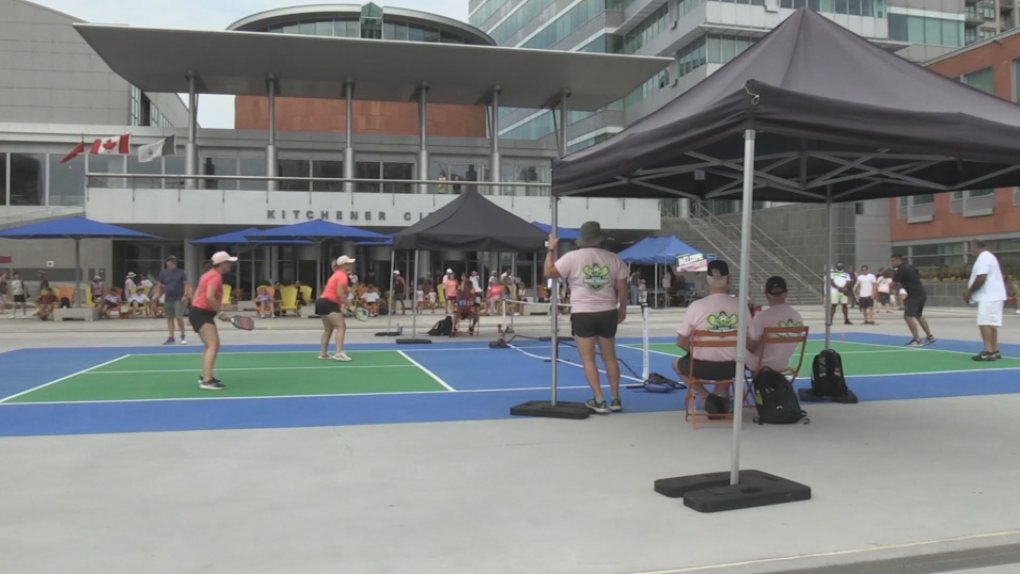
column 412, row 341
column 545, row 409
column 388, row 334
column 713, row 492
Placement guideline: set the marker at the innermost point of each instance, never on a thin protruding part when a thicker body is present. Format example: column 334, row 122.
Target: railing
column 973, row 206
column 18, row 217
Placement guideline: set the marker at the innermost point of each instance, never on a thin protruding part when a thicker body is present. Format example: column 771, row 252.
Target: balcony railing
column 977, row 206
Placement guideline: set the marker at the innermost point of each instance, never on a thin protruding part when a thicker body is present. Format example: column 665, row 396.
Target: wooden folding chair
column 700, row 340
column 777, row 336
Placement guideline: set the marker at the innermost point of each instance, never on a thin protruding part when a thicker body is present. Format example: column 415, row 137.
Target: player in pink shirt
column 718, row 312
column 597, row 280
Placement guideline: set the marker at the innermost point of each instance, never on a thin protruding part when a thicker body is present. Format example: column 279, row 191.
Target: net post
column 646, row 358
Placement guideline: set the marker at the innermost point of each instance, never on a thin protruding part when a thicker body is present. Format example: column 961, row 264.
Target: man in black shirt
column 909, row 279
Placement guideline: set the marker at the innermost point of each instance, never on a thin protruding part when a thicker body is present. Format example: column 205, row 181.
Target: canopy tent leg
column 77, row 272
column 389, row 332
column 735, row 490
column 414, row 340
column 829, row 315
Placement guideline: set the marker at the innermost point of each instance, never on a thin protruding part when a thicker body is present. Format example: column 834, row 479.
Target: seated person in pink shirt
column 718, row 312
column 775, row 356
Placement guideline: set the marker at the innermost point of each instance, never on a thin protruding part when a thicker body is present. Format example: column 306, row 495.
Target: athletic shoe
column 997, row 355
column 342, row 357
column 616, row 405
column 915, row 343
column 716, row 405
column 984, row 356
column 930, row 340
column 211, row 385
column 848, row 322
column 597, row 405
column 184, row 340
column 169, row 341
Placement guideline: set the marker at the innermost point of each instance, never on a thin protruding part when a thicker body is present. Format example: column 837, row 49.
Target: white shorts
column 141, row 299
column 839, row 299
column 990, row 313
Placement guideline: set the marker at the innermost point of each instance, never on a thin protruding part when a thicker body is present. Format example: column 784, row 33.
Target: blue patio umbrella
column 561, row 232
column 319, row 231
column 76, row 228
column 245, row 237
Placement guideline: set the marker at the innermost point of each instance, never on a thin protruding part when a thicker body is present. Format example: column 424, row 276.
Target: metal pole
column 423, row 152
column 494, row 158
column 554, row 301
column 349, row 149
column 742, row 293
column 77, row 273
column 191, row 148
column 414, row 301
column 389, row 307
column 828, row 267
column 318, row 272
column 647, row 358
column 272, row 164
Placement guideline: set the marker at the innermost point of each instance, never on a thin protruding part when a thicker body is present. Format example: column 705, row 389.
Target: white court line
column 218, row 369
column 313, row 351
column 428, row 372
column 263, row 398
column 565, row 361
column 929, row 348
column 935, row 373
column 81, row 372
column 868, row 550
column 841, row 353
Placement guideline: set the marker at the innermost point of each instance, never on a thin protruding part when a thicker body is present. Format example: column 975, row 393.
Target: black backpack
column 776, row 400
column 442, row 328
column 827, row 379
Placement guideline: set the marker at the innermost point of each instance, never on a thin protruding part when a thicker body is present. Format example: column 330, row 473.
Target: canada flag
column 120, row 145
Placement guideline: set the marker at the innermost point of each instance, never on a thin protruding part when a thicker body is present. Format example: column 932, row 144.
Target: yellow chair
column 306, row 290
column 90, row 301
column 288, row 300
column 227, row 292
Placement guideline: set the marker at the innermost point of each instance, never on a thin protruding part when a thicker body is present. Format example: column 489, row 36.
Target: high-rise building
column 701, row 36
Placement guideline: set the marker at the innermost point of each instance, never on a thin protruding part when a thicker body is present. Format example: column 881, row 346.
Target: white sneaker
column 184, row 341
column 342, row 357
column 324, row 357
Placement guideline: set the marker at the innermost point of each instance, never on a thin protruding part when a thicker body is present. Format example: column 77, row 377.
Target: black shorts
column 883, row 298
column 866, row 302
column 19, row 298
column 200, row 318
column 914, row 306
column 602, row 324
column 325, row 307
column 706, row 370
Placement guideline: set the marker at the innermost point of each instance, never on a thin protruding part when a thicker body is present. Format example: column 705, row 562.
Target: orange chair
column 66, row 293
column 701, row 340
column 777, row 336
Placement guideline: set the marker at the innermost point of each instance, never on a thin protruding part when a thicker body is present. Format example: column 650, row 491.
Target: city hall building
column 363, row 115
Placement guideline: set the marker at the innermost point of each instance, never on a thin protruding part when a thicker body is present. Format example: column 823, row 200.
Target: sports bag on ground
column 442, row 328
column 776, row 400
column 827, row 378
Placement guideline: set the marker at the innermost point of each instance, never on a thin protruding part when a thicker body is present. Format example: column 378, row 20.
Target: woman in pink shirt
column 597, row 280
column 205, row 308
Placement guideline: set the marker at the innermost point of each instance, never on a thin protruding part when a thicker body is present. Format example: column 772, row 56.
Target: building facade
column 934, row 229
column 369, row 21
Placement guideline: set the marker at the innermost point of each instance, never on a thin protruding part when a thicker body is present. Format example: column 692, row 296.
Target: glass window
column 400, row 32
column 307, row 28
column 983, row 80
column 841, row 6
column 3, row 179
column 220, row 166
column 828, row 5
column 367, row 170
column 173, row 165
column 415, row 34
column 932, row 31
column 728, row 48
column 714, row 50
column 952, row 33
column 327, row 168
column 923, row 199
column 854, row 7
column 67, row 181
column 898, row 27
column 395, row 170
column 294, row 168
column 28, row 178
column 324, row 28
column 387, row 31
column 291, row 29
column 431, row 35
column 867, row 7
column 252, row 166
column 105, row 164
column 915, row 30
column 136, row 167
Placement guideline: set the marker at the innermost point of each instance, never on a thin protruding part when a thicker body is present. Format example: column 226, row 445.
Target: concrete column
column 349, row 142
column 193, row 263
column 425, row 266
column 272, row 163
column 494, row 159
column 268, row 271
column 191, row 147
column 423, row 152
column 274, row 263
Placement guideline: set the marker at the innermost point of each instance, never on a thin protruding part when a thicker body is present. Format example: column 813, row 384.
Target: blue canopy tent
column 318, row 231
column 564, row 233
column 246, row 237
column 76, row 228
column 661, row 251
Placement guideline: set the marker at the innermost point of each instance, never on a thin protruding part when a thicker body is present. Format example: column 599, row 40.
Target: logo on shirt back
column 786, row 324
column 722, row 322
column 596, row 277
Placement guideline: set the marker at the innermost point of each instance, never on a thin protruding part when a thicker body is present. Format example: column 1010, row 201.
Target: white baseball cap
column 222, row 257
column 449, row 270
column 344, row 260
column 395, row 272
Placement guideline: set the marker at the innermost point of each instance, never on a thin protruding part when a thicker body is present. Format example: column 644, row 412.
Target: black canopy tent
column 817, row 114
column 470, row 222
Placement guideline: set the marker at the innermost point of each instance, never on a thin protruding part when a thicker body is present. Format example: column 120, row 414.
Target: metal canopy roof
column 238, row 63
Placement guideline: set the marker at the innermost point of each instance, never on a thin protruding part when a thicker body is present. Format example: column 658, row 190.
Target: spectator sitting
column 720, row 313
column 47, row 301
column 642, row 298
column 371, row 300
column 300, row 295
column 111, row 302
column 466, row 307
column 775, row 356
column 98, row 290
column 277, row 298
column 264, row 302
